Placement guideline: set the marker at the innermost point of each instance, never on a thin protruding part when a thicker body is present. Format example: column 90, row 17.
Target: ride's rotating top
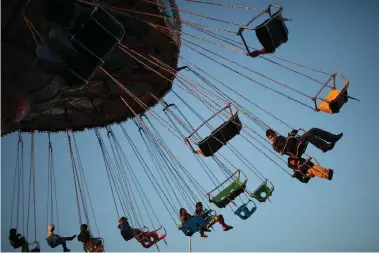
column 56, row 56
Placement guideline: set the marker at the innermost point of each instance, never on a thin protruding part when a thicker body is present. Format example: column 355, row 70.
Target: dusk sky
column 338, row 215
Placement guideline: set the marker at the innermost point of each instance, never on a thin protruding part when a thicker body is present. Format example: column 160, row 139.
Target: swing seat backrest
column 220, row 136
column 272, row 32
column 244, row 212
column 334, row 101
column 227, row 195
column 98, row 36
column 263, row 192
column 194, row 225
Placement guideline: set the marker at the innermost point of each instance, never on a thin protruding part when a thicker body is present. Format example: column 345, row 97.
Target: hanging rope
column 259, row 150
column 19, row 181
column 239, row 45
column 165, row 200
column 192, row 13
column 226, row 5
column 32, row 190
column 205, row 101
column 52, row 189
column 108, row 165
column 192, row 67
column 250, row 79
column 85, row 192
column 143, row 197
column 75, row 177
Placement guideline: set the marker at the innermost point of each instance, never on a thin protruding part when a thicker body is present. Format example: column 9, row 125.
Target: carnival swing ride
column 87, row 65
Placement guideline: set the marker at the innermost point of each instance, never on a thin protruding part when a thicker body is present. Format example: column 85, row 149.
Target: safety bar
column 239, row 174
column 242, row 28
column 229, row 105
column 333, row 76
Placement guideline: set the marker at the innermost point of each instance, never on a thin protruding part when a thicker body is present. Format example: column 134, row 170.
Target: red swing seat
column 150, row 238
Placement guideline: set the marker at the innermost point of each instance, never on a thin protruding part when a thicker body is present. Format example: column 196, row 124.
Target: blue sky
column 340, row 215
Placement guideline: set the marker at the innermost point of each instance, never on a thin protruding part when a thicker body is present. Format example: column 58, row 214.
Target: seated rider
column 305, row 169
column 85, row 237
column 185, row 216
column 54, row 240
column 295, row 145
column 219, row 218
column 126, row 230
column 16, row 240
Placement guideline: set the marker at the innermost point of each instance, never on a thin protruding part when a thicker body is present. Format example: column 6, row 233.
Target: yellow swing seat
column 335, row 99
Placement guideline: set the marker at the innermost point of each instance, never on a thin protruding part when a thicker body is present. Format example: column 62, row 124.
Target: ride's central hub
column 52, row 74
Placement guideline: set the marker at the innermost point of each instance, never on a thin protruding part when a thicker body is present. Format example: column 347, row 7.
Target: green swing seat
column 228, row 194
column 264, row 191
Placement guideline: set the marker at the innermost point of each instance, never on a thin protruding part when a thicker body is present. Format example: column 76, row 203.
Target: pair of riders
column 185, row 216
column 89, row 243
column 294, row 147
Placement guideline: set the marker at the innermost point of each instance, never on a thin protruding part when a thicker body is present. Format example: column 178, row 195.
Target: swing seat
column 150, row 238
column 227, row 195
column 98, row 36
column 36, row 248
column 94, row 245
column 244, row 212
column 334, row 101
column 220, row 136
column 195, row 224
column 273, row 32
column 264, row 191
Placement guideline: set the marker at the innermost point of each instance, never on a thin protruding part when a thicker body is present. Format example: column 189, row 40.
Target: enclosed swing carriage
column 272, row 33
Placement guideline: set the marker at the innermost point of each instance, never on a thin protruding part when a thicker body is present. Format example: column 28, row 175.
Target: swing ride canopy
column 57, row 104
